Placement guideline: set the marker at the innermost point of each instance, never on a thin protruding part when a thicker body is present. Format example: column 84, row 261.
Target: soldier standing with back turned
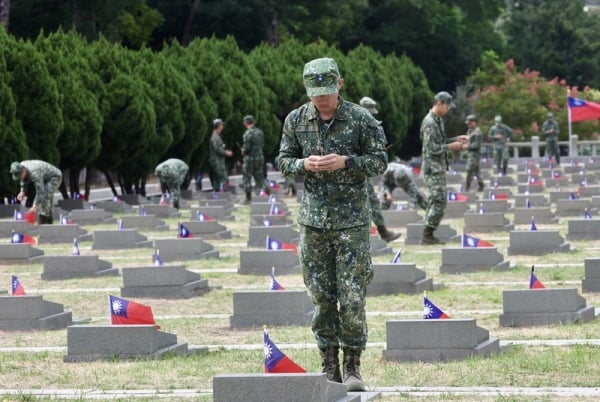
column 254, row 160
column 474, row 152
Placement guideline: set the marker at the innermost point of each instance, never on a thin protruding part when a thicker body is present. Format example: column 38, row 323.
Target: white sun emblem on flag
column 274, row 245
column 471, row 241
column 267, row 350
column 15, row 238
column 427, row 311
column 117, row 306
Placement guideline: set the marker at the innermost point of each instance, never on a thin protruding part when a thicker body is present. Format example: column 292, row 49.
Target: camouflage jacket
column 435, row 151
column 502, row 129
column 550, row 128
column 253, row 142
column 217, row 147
column 171, row 169
column 394, row 174
column 336, row 199
column 475, row 138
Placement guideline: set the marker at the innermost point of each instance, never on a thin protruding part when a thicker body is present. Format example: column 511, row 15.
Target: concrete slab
column 260, row 262
column 467, row 259
column 486, row 223
column 32, row 313
column 58, row 267
column 391, row 279
column 583, row 229
column 257, row 235
column 414, row 232
column 535, row 200
column 135, row 199
column 70, row 204
column 253, row 309
column 589, row 191
column 91, row 216
column 543, row 215
column 113, row 206
column 536, row 242
column 400, row 217
column 268, row 208
column 162, row 211
column 8, row 210
column 456, row 209
column 87, row 343
column 591, row 281
column 185, row 249
column 530, row 189
column 573, row 207
column 119, row 239
column 168, row 282
column 55, row 234
column 19, row 253
column 214, row 212
column 437, row 340
column 148, row 222
column 9, row 226
column 270, row 220
column 493, row 206
column 208, row 230
column 380, row 247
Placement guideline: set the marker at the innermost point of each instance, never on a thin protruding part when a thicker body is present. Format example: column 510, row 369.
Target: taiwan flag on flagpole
column 17, row 288
column 587, row 215
column 431, row 311
column 471, row 241
column 157, row 259
column 76, row 247
column 202, row 217
column 532, row 226
column 581, row 109
column 275, row 360
column 274, row 244
column 184, row 232
column 274, row 210
column 274, row 284
column 534, row 282
column 454, row 196
column 126, row 312
column 17, row 237
column 396, row 259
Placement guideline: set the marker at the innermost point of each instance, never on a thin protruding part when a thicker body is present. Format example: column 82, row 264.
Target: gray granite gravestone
column 534, row 307
column 185, row 249
column 309, row 387
column 71, row 204
column 536, row 242
column 119, row 239
column 535, row 200
column 32, row 312
column 162, row 211
column 391, row 279
column 257, row 235
column 378, row 246
column 591, row 281
column 86, row 343
column 414, row 232
column 9, row 226
column 270, row 220
column 91, row 216
column 558, row 194
column 455, row 209
column 215, row 213
column 587, row 178
column 208, row 229
column 501, row 181
column 271, row 307
column 573, row 207
column 492, row 206
column 471, row 259
column 58, row 267
column 400, row 217
column 19, row 253
column 589, row 191
column 437, row 340
column 260, row 262
column 8, row 210
column 168, row 282
column 530, row 189
column 268, row 208
column 216, row 203
column 113, row 206
column 486, row 222
column 135, row 199
column 544, row 215
column 148, row 222
column 53, row 234
column 583, row 229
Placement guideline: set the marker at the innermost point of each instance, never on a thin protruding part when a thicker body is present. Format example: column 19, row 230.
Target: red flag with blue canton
column 65, row 220
column 396, row 258
column 274, row 244
column 454, row 196
column 276, row 361
column 535, row 181
column 17, row 237
column 581, row 109
column 534, row 282
column 202, row 217
column 472, row 241
column 127, row 312
column 431, row 311
column 274, row 210
column 30, row 217
column 17, row 288
column 274, row 284
column 184, row 232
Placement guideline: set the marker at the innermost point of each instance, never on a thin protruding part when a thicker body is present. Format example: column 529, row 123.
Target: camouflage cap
column 471, row 117
column 550, row 115
column 369, row 104
column 248, row 119
column 498, row 119
column 444, row 97
column 15, row 170
column 217, row 122
column 321, row 77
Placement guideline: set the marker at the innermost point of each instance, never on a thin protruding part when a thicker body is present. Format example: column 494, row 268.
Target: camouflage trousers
column 437, row 199
column 552, row 148
column 473, row 170
column 374, row 203
column 44, row 199
column 501, row 157
column 409, row 186
column 173, row 186
column 218, row 177
column 253, row 168
column 336, row 268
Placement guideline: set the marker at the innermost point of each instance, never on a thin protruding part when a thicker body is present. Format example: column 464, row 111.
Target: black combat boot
column 45, row 219
column 481, row 186
column 331, row 364
column 504, row 166
column 176, row 205
column 248, row 198
column 352, row 379
column 428, row 237
column 386, row 235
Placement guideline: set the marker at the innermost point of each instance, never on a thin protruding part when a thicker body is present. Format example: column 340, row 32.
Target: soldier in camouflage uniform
column 377, row 217
column 172, row 174
column 474, row 152
column 45, row 179
column 550, row 129
column 254, row 160
column 500, row 134
column 398, row 175
column 336, row 145
column 435, row 163
column 216, row 157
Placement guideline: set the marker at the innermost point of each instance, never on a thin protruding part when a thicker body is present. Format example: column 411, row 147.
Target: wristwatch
column 349, row 162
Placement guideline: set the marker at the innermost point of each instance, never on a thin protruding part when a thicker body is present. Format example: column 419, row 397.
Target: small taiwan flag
column 202, row 217
column 572, row 196
column 184, row 232
column 126, row 312
column 17, row 237
column 534, row 181
column 157, row 259
column 481, row 209
column 65, row 220
column 532, row 225
column 142, row 211
column 163, row 200
column 527, row 203
column 274, row 284
column 587, row 215
column 266, row 222
column 276, row 361
column 27, row 216
column 431, row 311
column 275, row 244
column 120, row 224
column 472, row 241
column 76, row 247
column 396, row 259
column 275, row 210
column 274, row 185
column 116, row 199
column 17, row 288
column 556, row 175
column 457, row 197
column 534, row 282
column 373, row 230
